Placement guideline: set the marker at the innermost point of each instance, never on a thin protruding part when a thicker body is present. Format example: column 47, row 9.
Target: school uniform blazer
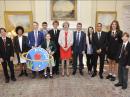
column 25, row 46
column 61, row 39
column 9, row 51
column 52, row 46
column 125, row 57
column 114, row 41
column 54, row 37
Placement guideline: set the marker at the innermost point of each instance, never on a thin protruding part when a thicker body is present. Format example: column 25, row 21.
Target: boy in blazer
column 6, row 55
column 21, row 46
column 124, row 62
column 54, row 33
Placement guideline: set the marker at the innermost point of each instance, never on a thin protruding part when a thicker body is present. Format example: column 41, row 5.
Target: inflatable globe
column 37, row 59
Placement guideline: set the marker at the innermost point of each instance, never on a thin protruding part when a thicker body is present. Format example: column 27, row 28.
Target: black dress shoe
column 101, row 76
column 81, row 73
column 25, row 73
column 57, row 73
column 45, row 76
column 13, row 79
column 94, row 74
column 113, row 78
column 74, row 72
column 108, row 76
column 118, row 84
column 51, row 76
column 21, row 74
column 6, row 80
column 124, row 87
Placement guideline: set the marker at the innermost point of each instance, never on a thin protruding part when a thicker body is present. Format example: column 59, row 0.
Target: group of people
column 65, row 45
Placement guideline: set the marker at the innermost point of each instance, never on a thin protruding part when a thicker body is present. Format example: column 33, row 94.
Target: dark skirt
column 112, row 56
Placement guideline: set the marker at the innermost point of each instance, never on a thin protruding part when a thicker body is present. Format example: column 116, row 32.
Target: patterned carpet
column 73, row 86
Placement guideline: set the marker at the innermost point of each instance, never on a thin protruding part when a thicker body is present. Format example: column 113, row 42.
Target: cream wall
column 86, row 10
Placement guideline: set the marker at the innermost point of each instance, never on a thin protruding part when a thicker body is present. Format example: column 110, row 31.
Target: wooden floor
column 73, row 86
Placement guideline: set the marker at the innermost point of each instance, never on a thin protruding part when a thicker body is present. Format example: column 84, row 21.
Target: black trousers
column 102, row 58
column 123, row 74
column 90, row 61
column 5, row 69
column 77, row 55
column 57, row 61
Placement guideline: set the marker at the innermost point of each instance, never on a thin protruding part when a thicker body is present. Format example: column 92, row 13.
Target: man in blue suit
column 35, row 40
column 78, row 48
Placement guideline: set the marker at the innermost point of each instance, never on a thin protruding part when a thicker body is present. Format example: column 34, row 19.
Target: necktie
column 122, row 50
column 55, row 32
column 4, row 40
column 113, row 34
column 35, row 38
column 99, row 35
column 77, row 38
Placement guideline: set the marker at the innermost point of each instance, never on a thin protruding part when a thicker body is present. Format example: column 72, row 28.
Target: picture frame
column 106, row 18
column 63, row 10
column 18, row 18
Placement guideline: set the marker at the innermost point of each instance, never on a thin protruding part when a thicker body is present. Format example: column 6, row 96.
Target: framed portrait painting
column 63, row 9
column 18, row 18
column 105, row 17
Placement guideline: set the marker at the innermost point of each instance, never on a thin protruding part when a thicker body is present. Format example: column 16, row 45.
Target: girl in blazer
column 114, row 41
column 65, row 41
column 21, row 46
column 51, row 49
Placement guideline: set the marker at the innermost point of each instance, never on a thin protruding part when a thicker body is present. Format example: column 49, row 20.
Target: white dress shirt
column 89, row 46
column 3, row 38
column 114, row 31
column 55, row 30
column 20, row 42
column 125, row 44
column 99, row 35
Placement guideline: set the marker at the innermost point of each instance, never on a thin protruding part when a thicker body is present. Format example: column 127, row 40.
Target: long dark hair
column 117, row 25
column 90, row 41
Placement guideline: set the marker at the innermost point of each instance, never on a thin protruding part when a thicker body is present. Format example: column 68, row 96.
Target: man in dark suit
column 78, row 48
column 6, row 55
column 54, row 37
column 35, row 40
column 124, row 62
column 99, row 43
